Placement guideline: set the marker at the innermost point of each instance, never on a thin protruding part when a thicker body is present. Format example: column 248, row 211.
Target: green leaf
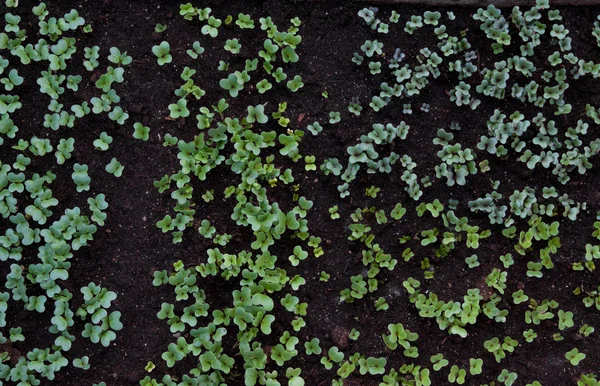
column 263, row 300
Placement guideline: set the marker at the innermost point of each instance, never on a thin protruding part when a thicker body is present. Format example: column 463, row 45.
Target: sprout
column 119, row 58
column 74, row 20
column 432, row 18
column 115, row 168
column 117, row 114
column 367, row 15
column 383, row 28
column 103, row 142
column 257, row 114
column 233, row 46
column 263, row 86
column 170, row 140
column 414, row 23
column 399, row 55
column 64, row 149
column 159, row 28
column 375, row 68
column 507, row 377
column 40, row 11
column 281, row 119
column 21, row 162
column 244, row 21
column 358, row 59
column 212, row 28
column 586, row 330
column 312, row 347
column 82, row 363
column 140, row 131
column 112, row 75
column 270, row 49
column 289, row 55
column 231, row 84
column 12, row 80
column 188, row 11
column 334, row 117
column 555, row 59
column 295, row 84
column 73, row 83
column 80, row 177
column 179, row 109
column 475, row 366
column 315, row 128
column 559, row 31
column 251, row 65
column 372, row 47
column 91, row 54
column 187, row 73
column 223, row 66
column 196, row 50
column 523, row 65
column 377, row 103
column 290, row 145
column 279, row 75
column 574, row 356
column 438, row 361
column 472, row 261
column 460, row 94
column 355, row 108
column 381, row 305
column 161, row 52
column 542, row 4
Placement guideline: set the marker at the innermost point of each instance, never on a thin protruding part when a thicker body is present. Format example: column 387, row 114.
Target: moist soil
column 129, row 248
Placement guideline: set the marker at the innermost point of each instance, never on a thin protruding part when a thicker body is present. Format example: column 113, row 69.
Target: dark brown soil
column 126, row 252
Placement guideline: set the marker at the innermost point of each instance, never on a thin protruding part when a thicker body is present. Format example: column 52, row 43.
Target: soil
column 129, row 248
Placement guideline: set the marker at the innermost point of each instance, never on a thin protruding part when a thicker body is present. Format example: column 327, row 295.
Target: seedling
column 233, row 46
column 257, row 114
column 295, row 84
column 140, row 131
column 179, row 109
column 103, row 142
column 115, row 168
column 162, row 54
column 574, row 356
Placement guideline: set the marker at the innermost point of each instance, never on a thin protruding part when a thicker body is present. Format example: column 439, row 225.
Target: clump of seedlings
column 35, row 219
column 459, row 214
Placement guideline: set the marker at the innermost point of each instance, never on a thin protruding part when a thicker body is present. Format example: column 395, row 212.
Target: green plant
column 334, row 117
column 122, row 58
column 140, row 131
column 475, row 366
column 179, row 109
column 115, row 168
column 80, row 177
column 295, row 84
column 161, row 51
column 257, row 114
column 103, row 142
column 574, row 356
column 233, row 46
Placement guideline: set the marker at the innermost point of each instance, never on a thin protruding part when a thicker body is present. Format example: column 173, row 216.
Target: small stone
column 339, row 336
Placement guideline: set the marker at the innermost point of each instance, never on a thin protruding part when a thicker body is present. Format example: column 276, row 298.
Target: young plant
column 161, row 51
